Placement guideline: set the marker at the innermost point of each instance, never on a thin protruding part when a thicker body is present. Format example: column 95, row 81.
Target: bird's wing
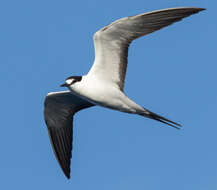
column 59, row 109
column 111, row 42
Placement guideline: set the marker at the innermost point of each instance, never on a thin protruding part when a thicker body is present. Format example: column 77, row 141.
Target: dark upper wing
column 59, row 108
column 111, row 42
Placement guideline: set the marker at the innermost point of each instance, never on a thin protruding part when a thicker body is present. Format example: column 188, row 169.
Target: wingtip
column 67, row 175
column 200, row 9
column 195, row 10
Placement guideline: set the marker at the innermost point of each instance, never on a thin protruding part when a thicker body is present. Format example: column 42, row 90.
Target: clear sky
column 172, row 72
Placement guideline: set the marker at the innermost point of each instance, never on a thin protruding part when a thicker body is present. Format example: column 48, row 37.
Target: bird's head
column 71, row 80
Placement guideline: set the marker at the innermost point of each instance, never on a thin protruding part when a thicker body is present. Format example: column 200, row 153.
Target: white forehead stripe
column 69, row 81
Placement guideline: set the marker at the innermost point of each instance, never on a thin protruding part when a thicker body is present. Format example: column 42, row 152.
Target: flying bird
column 104, row 83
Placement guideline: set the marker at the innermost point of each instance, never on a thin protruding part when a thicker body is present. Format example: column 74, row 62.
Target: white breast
column 105, row 94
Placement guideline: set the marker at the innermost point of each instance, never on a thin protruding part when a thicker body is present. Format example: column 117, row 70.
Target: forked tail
column 161, row 119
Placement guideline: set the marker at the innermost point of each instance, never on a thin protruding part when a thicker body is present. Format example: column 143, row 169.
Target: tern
column 104, row 83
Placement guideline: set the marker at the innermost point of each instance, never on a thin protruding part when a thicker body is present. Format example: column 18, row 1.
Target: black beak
column 64, row 85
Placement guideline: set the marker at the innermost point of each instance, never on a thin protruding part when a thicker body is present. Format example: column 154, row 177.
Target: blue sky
column 171, row 72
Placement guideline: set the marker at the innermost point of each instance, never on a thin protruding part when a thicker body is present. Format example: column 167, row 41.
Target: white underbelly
column 106, row 95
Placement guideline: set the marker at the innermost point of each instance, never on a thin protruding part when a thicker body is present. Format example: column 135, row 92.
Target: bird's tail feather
column 161, row 119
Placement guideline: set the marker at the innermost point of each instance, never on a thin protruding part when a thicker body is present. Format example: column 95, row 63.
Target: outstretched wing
column 59, row 109
column 111, row 42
